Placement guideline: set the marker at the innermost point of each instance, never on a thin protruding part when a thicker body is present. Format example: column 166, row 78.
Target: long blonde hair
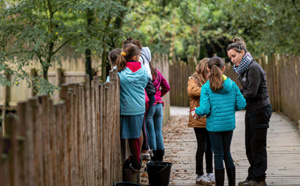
column 200, row 74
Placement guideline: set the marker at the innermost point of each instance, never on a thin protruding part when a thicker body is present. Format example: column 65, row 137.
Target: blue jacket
column 132, row 93
column 220, row 107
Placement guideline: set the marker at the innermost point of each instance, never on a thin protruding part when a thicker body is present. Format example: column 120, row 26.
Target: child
column 145, row 59
column 196, row 81
column 133, row 80
column 155, row 115
column 220, row 98
column 112, row 58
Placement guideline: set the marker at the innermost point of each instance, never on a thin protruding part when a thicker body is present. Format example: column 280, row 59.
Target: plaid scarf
column 245, row 62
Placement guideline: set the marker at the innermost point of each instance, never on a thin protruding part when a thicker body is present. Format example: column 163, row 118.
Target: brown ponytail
column 215, row 64
column 129, row 51
column 113, row 55
column 238, row 45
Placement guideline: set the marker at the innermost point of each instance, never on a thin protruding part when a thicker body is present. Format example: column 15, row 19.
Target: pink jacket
column 160, row 81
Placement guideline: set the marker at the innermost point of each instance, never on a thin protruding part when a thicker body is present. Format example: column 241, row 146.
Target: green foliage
column 204, row 27
column 38, row 30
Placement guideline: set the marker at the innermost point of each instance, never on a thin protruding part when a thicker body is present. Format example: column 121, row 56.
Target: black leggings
column 203, row 145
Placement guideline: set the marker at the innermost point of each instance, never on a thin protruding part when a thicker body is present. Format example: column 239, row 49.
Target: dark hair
column 133, row 41
column 200, row 74
column 113, row 55
column 153, row 71
column 215, row 64
column 129, row 51
column 237, row 45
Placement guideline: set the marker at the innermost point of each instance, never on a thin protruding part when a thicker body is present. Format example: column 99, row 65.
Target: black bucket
column 159, row 173
column 125, row 184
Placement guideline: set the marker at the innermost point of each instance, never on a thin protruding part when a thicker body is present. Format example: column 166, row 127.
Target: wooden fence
column 179, row 75
column 73, row 142
column 161, row 62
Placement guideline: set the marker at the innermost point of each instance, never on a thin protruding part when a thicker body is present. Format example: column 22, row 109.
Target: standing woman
column 196, row 81
column 258, row 110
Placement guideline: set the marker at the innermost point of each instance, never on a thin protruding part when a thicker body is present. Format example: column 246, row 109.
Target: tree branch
column 63, row 45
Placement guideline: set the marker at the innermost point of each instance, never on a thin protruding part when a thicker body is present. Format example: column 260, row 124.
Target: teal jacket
column 220, row 107
column 132, row 93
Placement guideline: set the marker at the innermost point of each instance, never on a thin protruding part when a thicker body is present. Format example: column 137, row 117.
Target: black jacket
column 150, row 89
column 255, row 89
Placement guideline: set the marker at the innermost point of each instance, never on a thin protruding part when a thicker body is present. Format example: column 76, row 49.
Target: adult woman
column 196, row 81
column 258, row 110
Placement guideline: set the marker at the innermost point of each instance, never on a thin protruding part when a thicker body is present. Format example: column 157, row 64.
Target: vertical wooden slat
column 87, row 108
column 101, row 134
column 92, row 135
column 106, row 141
column 96, row 128
column 43, row 122
column 19, row 142
column 81, row 135
column 4, row 164
column 37, row 139
column 10, row 141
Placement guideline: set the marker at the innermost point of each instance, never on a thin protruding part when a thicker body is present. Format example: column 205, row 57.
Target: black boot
column 219, row 174
column 231, row 176
column 154, row 158
column 160, row 155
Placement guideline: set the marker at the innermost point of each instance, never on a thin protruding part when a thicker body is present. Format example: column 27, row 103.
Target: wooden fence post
column 4, row 164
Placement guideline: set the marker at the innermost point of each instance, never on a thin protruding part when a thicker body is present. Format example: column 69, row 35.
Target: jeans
column 256, row 124
column 220, row 143
column 154, row 127
column 203, row 145
column 145, row 145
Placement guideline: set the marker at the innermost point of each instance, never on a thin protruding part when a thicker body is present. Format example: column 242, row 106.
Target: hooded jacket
column 132, row 93
column 220, row 107
column 145, row 59
column 161, row 86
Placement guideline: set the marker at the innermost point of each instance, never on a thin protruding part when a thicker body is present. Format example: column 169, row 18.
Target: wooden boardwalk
column 283, row 150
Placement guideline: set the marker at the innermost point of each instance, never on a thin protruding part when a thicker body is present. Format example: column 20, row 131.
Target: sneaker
column 145, row 156
column 203, row 180
column 211, row 177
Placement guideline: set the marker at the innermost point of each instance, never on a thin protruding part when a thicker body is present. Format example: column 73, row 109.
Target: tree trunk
column 88, row 52
column 104, row 66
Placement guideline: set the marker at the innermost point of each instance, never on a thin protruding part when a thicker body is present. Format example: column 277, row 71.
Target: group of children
column 214, row 98
column 141, row 89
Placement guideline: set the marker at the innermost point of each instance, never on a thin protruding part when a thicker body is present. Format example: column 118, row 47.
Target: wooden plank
column 82, row 163
column 4, row 164
column 105, row 142
column 92, row 135
column 87, row 125
column 37, row 141
column 101, row 134
column 19, row 143
column 45, row 138
column 75, row 134
column 116, row 115
column 96, row 128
